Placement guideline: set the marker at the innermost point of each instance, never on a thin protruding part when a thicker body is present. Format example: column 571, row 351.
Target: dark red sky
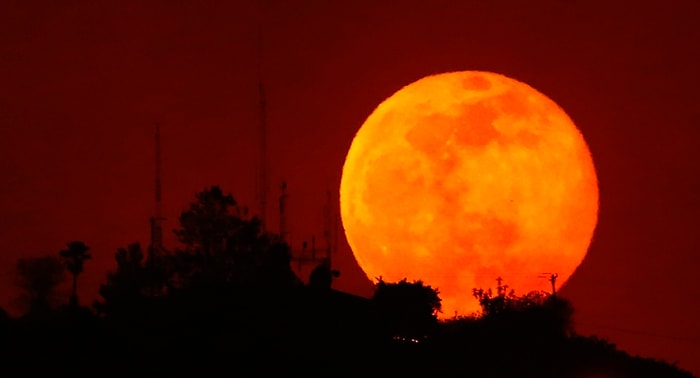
column 83, row 83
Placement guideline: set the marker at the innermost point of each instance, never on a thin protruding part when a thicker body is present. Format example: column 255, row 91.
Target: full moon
column 460, row 178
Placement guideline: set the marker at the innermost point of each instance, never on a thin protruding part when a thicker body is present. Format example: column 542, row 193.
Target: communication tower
column 156, row 246
column 307, row 258
column 283, row 213
column 262, row 180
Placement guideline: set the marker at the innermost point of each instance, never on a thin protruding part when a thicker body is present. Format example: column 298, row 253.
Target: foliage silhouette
column 223, row 248
column 38, row 278
column 535, row 312
column 74, row 257
column 232, row 302
column 4, row 325
column 126, row 286
column 209, row 222
column 407, row 310
column 321, row 277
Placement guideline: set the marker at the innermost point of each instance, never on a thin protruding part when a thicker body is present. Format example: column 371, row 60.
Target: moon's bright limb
column 462, row 177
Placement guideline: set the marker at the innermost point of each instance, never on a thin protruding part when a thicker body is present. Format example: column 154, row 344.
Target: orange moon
column 462, row 177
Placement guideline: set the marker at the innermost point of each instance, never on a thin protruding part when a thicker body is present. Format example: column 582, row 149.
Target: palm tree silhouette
column 74, row 256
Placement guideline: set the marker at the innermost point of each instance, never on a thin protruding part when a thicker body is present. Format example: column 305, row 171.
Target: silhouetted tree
column 74, row 257
column 38, row 278
column 407, row 309
column 222, row 248
column 126, row 285
column 5, row 341
column 534, row 312
column 272, row 268
column 492, row 304
column 209, row 222
column 321, row 277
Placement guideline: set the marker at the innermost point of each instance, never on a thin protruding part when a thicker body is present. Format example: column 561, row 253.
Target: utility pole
column 552, row 278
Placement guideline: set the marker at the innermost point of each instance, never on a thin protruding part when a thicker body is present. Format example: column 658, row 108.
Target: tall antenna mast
column 263, row 178
column 156, row 228
column 263, row 184
column 328, row 225
column 158, row 209
column 283, row 212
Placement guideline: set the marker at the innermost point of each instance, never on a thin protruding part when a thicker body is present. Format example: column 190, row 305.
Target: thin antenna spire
column 263, row 184
column 263, row 174
column 283, row 212
column 158, row 208
column 156, row 228
column 328, row 224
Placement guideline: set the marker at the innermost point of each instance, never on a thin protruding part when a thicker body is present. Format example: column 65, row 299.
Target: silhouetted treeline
column 311, row 333
column 228, row 303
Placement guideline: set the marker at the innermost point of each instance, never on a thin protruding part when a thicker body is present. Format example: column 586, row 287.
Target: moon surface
column 460, row 178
